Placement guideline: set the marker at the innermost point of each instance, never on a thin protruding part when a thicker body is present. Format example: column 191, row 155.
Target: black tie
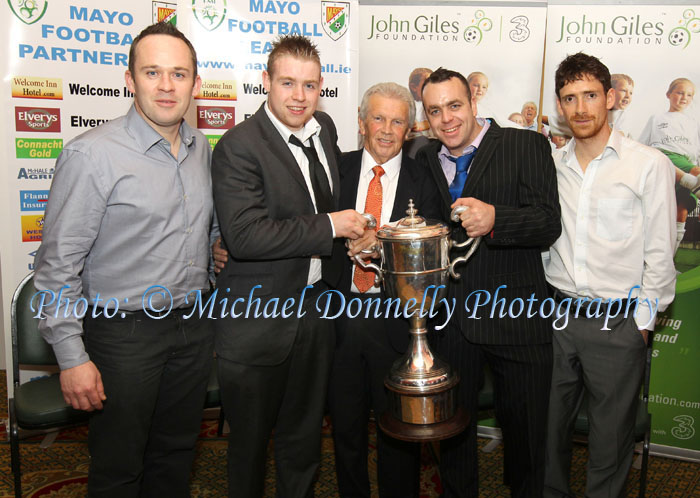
column 319, row 179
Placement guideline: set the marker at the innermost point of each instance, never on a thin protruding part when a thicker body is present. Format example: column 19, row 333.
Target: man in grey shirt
column 127, row 231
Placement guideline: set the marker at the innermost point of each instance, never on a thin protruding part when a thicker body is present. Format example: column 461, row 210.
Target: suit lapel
column 349, row 178
column 329, row 151
column 276, row 144
column 403, row 192
column 486, row 150
column 436, row 169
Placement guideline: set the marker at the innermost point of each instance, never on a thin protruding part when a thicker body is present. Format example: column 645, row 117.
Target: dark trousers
column 155, row 375
column 609, row 365
column 288, row 398
column 363, row 357
column 521, row 376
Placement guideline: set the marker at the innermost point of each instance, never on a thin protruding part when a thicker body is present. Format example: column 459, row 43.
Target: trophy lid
column 413, row 227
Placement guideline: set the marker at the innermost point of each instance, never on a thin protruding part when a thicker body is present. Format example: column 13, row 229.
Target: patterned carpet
column 60, row 471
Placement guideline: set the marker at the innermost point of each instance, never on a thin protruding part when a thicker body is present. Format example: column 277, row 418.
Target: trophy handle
column 371, row 223
column 474, row 241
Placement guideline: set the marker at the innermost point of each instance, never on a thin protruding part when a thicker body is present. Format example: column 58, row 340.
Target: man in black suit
column 276, row 192
column 507, row 179
column 366, row 348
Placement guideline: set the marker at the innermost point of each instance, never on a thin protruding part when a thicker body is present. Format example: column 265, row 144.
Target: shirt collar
column 613, row 146
column 311, row 128
column 391, row 167
column 146, row 137
column 485, row 124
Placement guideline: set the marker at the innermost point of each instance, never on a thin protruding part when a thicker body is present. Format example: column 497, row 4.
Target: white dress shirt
column 389, row 180
column 618, row 226
column 310, row 131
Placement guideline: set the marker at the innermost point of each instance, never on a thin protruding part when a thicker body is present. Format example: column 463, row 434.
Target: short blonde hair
column 474, row 74
column 677, row 82
column 297, row 46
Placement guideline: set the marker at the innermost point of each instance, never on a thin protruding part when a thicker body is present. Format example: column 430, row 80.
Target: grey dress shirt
column 124, row 215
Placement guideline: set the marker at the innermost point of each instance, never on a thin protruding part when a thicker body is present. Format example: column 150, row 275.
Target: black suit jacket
column 270, row 229
column 415, row 182
column 513, row 170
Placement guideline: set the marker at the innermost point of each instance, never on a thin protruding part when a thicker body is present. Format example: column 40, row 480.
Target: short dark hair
column 161, row 28
column 297, row 46
column 576, row 66
column 441, row 75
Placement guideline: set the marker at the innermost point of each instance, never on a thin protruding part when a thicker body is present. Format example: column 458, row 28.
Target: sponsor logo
column 31, row 87
column 38, row 148
column 35, row 173
column 32, row 226
column 165, row 12
column 635, row 29
column 336, row 17
column 28, row 11
column 520, row 32
column 81, row 122
column 475, row 33
column 33, row 200
column 215, row 117
column 213, row 140
column 681, row 35
column 684, row 429
column 209, row 13
column 217, row 90
column 38, row 119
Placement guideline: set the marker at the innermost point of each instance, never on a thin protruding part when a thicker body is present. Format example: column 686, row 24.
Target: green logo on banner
column 475, row 33
column 681, row 35
column 28, row 11
column 336, row 17
column 209, row 13
column 36, row 148
column 213, row 140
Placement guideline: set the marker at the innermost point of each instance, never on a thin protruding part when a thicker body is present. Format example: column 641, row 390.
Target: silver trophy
column 423, row 403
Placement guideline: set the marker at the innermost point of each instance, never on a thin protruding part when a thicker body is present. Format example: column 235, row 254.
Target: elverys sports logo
column 28, row 11
column 209, row 13
column 335, row 18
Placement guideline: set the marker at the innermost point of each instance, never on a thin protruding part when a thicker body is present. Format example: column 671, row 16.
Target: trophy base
column 417, row 433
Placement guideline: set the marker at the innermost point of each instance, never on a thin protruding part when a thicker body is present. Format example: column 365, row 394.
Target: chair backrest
column 28, row 347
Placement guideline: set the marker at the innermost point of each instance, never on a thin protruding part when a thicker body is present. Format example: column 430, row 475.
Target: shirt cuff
column 70, row 352
column 644, row 318
column 332, row 226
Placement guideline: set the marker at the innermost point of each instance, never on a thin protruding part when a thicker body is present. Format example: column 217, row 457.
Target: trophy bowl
column 415, row 268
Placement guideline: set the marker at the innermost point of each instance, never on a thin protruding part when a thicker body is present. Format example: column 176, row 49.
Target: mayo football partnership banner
column 64, row 74
column 233, row 39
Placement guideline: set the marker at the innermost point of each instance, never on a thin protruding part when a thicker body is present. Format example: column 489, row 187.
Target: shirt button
column 190, row 263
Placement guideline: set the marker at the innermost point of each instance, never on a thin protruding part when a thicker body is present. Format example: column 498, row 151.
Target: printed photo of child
column 677, row 134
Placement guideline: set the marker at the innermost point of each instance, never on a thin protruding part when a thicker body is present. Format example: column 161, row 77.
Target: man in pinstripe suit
column 511, row 192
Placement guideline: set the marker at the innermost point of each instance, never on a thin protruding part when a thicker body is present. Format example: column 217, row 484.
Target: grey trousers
column 609, row 365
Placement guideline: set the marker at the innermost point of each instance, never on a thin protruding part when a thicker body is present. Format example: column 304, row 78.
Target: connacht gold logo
column 209, row 13
column 28, row 11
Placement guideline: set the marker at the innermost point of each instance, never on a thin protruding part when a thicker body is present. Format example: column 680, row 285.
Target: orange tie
column 364, row 279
